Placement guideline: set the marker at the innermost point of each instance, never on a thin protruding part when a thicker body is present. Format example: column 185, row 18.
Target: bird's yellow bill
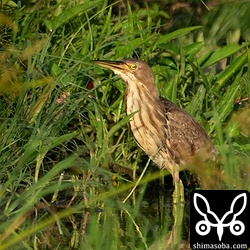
column 110, row 64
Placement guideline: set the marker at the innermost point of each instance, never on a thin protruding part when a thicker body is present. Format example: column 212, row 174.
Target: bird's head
column 131, row 71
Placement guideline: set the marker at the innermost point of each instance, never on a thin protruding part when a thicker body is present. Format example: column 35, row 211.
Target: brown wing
column 186, row 135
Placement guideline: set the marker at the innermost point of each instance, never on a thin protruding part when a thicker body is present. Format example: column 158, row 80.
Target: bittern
column 165, row 132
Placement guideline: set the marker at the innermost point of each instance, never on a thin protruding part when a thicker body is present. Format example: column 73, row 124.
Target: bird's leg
column 175, row 235
column 178, row 195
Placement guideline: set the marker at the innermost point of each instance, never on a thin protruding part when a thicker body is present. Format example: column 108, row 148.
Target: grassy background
column 67, row 158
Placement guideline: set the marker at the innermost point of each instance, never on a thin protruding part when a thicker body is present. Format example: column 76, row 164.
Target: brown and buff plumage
column 165, row 132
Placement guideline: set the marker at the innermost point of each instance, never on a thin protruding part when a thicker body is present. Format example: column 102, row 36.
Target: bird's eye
column 133, row 66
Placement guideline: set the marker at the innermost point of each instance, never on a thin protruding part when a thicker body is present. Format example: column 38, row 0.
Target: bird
column 169, row 135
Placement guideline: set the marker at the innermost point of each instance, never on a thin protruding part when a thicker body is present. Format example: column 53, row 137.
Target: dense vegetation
column 67, row 158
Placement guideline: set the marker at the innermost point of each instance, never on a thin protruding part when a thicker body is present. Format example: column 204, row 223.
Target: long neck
column 149, row 119
column 146, row 102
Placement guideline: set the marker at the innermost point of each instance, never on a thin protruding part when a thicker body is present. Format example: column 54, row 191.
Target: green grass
column 67, row 158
